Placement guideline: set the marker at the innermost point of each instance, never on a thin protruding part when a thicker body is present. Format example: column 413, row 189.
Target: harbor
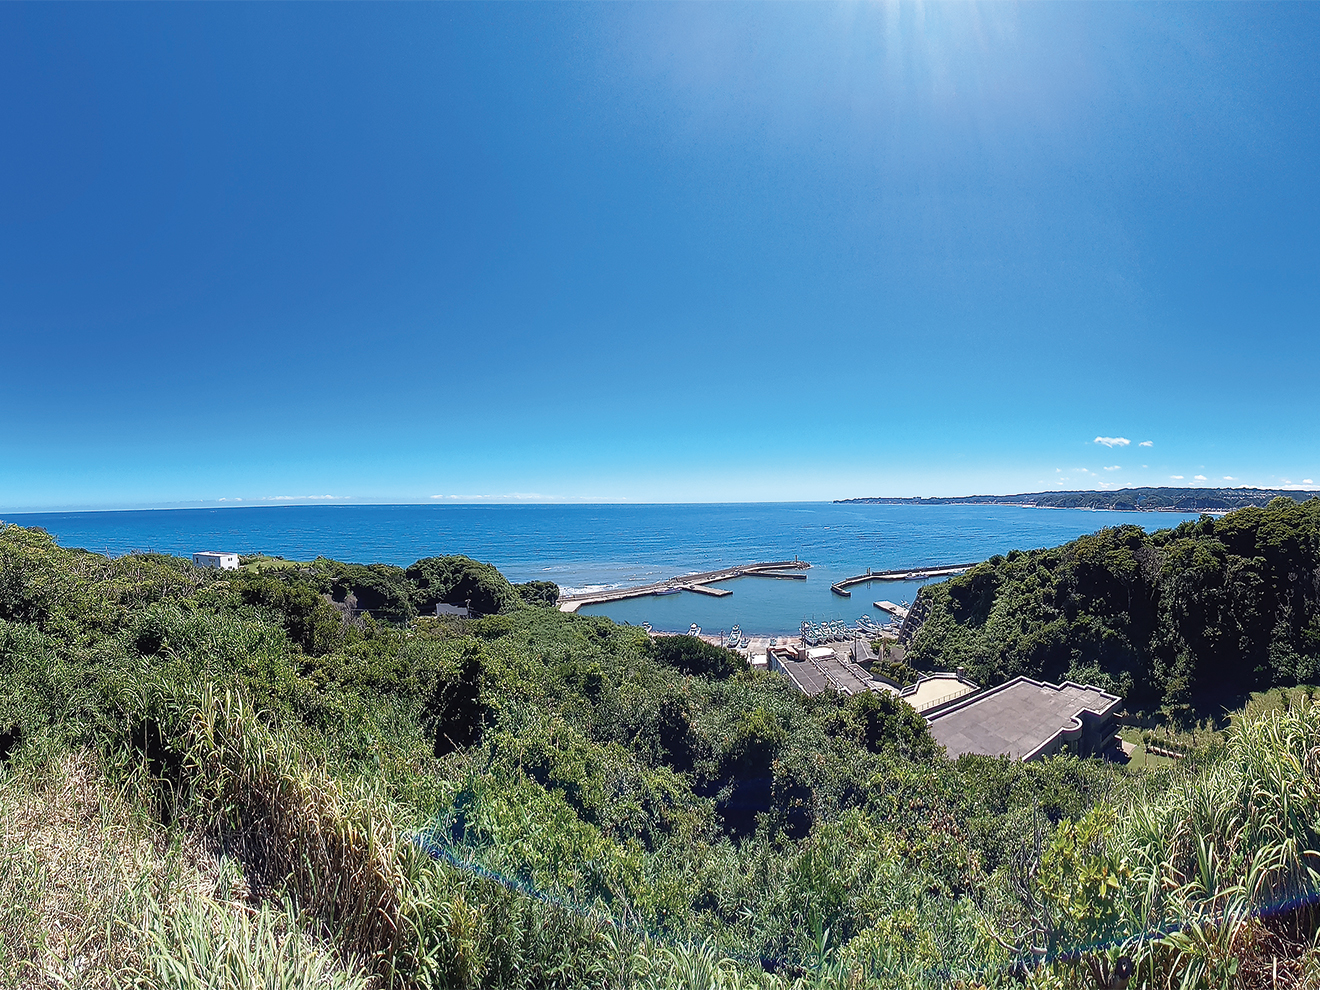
column 794, row 592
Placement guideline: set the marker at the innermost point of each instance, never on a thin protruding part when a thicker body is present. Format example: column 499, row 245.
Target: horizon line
column 275, row 502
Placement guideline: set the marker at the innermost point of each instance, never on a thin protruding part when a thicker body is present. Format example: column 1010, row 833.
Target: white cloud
column 1146, row 443
column 1113, row 441
column 298, row 498
column 1145, row 465
column 505, row 497
column 1307, row 481
column 1175, row 477
column 1229, row 477
column 1116, row 467
column 1200, row 477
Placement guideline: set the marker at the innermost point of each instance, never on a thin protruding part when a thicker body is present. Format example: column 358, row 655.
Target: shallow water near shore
column 603, row 546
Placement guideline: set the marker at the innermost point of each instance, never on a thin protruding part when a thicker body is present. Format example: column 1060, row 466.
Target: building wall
column 224, row 561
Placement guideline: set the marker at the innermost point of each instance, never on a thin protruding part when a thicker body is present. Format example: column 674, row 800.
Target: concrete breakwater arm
column 687, row 582
column 840, row 588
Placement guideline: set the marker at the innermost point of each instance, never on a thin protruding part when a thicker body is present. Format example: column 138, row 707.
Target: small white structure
column 213, row 558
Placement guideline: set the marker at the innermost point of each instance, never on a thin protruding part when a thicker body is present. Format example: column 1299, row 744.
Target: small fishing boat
column 694, row 630
column 669, row 591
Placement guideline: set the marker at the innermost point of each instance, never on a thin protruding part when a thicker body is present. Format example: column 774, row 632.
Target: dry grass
column 94, row 893
column 78, row 861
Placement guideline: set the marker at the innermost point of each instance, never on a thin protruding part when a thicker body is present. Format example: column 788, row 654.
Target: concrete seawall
column 689, row 582
column 840, row 588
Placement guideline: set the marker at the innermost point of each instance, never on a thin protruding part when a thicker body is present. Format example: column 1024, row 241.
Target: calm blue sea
column 600, row 546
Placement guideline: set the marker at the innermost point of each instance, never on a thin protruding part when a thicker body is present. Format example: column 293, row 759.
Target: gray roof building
column 1027, row 720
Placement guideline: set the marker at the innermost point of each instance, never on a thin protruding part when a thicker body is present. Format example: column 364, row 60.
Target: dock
column 840, row 588
column 699, row 583
column 897, row 611
column 702, row 589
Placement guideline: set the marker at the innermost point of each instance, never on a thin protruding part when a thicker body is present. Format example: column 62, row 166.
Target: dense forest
column 291, row 776
column 1189, row 619
column 1126, row 499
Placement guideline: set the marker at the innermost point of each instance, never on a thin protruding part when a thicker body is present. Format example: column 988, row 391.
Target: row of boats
column 836, row 630
column 813, row 633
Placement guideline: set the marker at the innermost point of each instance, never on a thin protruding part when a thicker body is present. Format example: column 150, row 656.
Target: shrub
column 542, row 594
column 460, row 581
column 690, row 655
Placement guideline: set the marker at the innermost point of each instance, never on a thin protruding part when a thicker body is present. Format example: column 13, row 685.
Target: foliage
column 885, row 722
column 207, row 946
column 1180, row 880
column 690, row 655
column 277, row 782
column 542, row 594
column 1189, row 619
column 461, row 581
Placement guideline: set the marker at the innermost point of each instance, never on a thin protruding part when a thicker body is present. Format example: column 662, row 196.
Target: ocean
column 582, row 547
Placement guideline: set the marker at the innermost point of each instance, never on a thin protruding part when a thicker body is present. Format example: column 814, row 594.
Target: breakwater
column 840, row 588
column 699, row 583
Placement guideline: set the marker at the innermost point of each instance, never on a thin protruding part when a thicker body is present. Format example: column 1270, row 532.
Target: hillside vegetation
column 255, row 778
column 1189, row 619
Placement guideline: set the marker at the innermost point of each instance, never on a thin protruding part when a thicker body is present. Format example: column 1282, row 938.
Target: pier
column 702, row 589
column 700, row 583
column 897, row 611
column 840, row 588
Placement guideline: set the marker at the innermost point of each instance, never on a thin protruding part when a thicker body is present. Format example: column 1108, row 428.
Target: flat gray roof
column 825, row 674
column 1017, row 718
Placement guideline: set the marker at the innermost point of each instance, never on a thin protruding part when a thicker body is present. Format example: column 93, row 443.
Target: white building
column 212, row 558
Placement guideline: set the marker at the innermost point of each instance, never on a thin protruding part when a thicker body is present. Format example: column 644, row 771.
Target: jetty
column 840, row 588
column 699, row 583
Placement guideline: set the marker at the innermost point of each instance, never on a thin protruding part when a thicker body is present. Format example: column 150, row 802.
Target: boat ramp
column 699, row 583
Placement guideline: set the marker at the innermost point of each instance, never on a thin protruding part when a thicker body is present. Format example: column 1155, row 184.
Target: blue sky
column 653, row 252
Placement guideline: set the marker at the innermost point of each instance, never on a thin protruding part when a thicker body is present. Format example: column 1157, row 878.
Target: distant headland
column 1123, row 499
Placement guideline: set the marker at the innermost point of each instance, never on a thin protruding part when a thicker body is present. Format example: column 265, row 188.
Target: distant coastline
column 1123, row 499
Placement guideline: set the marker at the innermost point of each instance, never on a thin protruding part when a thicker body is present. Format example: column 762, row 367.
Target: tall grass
column 202, row 945
column 338, row 848
column 1217, row 876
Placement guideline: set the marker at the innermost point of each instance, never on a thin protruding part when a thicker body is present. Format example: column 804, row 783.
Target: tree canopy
column 1190, row 618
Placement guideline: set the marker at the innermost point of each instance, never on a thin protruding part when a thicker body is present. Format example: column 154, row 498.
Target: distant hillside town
column 1126, row 499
